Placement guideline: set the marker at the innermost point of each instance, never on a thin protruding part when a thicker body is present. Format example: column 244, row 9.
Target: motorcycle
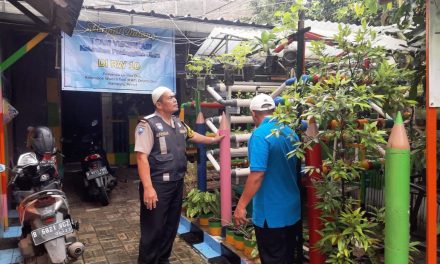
column 98, row 178
column 47, row 227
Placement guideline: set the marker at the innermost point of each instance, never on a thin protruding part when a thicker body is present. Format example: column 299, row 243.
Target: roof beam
column 29, row 14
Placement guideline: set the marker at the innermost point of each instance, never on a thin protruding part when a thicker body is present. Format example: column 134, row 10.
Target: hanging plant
column 197, row 69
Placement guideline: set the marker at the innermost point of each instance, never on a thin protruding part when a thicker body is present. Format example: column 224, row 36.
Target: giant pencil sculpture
column 225, row 171
column 201, row 154
column 314, row 159
column 397, row 172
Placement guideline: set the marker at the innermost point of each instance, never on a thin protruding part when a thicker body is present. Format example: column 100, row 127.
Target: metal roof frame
column 45, row 16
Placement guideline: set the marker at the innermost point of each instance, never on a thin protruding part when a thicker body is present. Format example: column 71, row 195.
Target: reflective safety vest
column 167, row 159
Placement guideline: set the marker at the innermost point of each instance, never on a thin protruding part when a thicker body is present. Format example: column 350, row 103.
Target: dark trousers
column 277, row 245
column 159, row 226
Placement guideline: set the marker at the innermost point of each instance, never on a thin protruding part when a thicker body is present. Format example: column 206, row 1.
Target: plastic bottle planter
column 191, row 82
column 230, row 235
column 248, row 72
column 229, row 75
column 238, row 240
column 215, row 227
column 212, row 81
column 249, row 246
column 201, row 83
column 270, row 60
column 204, row 219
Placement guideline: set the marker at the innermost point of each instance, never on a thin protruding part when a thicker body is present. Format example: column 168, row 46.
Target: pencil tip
column 398, row 120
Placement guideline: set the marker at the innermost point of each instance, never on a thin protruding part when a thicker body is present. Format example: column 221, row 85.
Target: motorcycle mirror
column 2, row 168
column 27, row 159
column 94, row 122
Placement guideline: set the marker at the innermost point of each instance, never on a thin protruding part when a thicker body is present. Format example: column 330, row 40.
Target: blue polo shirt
column 278, row 200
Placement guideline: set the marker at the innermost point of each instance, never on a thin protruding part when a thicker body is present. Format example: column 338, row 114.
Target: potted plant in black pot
column 248, row 72
column 197, row 69
column 264, row 44
column 227, row 60
column 235, row 60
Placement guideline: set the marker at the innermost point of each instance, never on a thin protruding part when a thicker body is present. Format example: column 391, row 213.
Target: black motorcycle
column 98, row 178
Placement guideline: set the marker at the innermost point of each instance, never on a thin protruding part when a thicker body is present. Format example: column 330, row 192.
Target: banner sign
column 434, row 53
column 116, row 59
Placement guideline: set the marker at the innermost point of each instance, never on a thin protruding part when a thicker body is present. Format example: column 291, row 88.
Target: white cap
column 262, row 102
column 158, row 92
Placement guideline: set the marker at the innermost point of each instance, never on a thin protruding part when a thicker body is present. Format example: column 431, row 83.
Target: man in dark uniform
column 160, row 149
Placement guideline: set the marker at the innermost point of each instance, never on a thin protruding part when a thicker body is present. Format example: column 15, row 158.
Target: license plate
column 52, row 231
column 91, row 174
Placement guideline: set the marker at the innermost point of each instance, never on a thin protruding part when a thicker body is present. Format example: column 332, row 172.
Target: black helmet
column 43, row 141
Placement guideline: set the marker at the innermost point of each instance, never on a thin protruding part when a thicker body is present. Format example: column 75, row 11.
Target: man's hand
column 150, row 198
column 201, row 139
column 240, row 215
column 217, row 138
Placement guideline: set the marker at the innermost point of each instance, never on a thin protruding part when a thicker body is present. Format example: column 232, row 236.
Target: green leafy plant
column 190, row 179
column 342, row 93
column 198, row 203
column 349, row 236
column 287, row 21
column 196, row 66
column 238, row 56
column 265, row 42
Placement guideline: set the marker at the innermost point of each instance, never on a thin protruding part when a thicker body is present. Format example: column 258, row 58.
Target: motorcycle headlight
column 44, row 177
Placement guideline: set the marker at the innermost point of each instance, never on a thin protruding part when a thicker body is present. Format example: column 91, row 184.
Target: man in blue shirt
column 272, row 184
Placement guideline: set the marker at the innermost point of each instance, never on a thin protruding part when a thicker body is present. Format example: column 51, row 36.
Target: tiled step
column 10, row 256
column 9, row 253
column 211, row 247
column 14, row 229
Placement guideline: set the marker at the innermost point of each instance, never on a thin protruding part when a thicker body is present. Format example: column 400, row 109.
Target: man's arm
column 253, row 184
column 150, row 196
column 144, row 141
column 201, row 139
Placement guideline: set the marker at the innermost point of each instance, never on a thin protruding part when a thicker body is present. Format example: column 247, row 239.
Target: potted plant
column 215, row 225
column 238, row 239
column 201, row 204
column 229, row 237
column 197, row 68
column 248, row 72
column 264, row 44
column 250, row 243
column 227, row 60
column 235, row 60
column 240, row 233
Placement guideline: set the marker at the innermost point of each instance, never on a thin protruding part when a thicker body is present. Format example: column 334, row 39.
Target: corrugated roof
column 215, row 43
column 329, row 29
column 212, row 9
column 128, row 17
column 152, row 13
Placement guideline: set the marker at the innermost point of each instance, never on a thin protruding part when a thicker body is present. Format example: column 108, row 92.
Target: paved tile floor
column 111, row 233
